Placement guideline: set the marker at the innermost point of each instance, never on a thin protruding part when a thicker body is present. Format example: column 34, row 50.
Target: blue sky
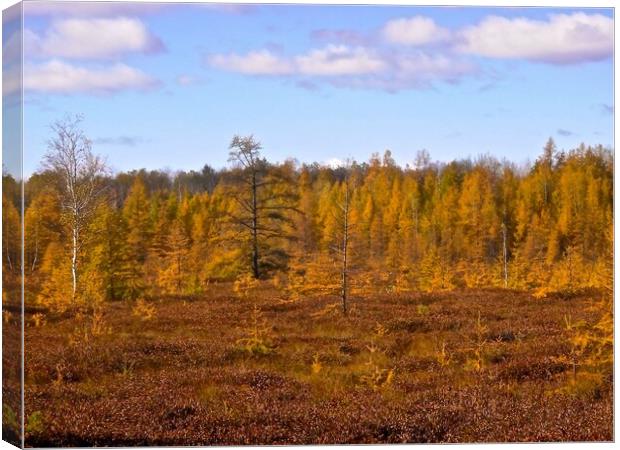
column 167, row 86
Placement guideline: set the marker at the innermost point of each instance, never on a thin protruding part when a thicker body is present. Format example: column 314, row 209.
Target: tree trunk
column 74, row 259
column 505, row 255
column 8, row 254
column 345, row 244
column 179, row 275
column 35, row 257
column 255, row 270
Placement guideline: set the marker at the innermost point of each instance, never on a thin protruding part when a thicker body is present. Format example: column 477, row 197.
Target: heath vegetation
column 293, row 303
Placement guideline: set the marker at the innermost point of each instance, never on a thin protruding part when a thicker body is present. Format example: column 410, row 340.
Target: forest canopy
column 430, row 226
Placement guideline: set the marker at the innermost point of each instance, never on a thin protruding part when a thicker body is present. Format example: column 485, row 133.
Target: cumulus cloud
column 429, row 66
column 345, row 66
column 415, row 52
column 259, row 62
column 58, row 77
column 339, row 60
column 349, row 37
column 99, row 43
column 101, row 38
column 562, row 39
column 415, row 31
column 332, row 60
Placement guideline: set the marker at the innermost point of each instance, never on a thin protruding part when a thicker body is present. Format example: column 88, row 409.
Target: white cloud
column 339, row 60
column 187, row 80
column 433, row 66
column 416, row 52
column 92, row 39
column 57, row 77
column 563, row 39
column 335, row 163
column 349, row 37
column 413, row 70
column 415, row 31
column 333, row 60
column 259, row 62
column 357, row 67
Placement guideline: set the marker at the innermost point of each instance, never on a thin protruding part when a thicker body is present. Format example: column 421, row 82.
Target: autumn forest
column 434, row 226
column 287, row 287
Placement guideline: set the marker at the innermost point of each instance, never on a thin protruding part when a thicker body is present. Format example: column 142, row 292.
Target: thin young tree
column 263, row 198
column 345, row 210
column 339, row 234
column 81, row 174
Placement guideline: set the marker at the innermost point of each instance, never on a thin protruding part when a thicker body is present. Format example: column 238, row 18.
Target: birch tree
column 69, row 154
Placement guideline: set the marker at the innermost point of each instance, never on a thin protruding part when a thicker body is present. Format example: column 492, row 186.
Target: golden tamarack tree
column 263, row 200
column 424, row 227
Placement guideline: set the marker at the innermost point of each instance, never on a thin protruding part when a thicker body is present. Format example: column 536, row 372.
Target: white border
column 481, row 3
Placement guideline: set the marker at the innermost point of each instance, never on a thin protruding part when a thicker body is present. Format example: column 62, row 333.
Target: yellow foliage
column 476, row 274
column 463, row 224
column 38, row 319
column 143, row 310
column 316, row 365
column 443, row 357
column 590, row 349
column 56, row 292
column 91, row 291
column 436, row 273
column 89, row 325
column 258, row 340
column 476, row 359
column 380, row 330
column 314, row 275
column 583, row 384
column 422, row 310
column 376, row 376
column 245, row 285
column 99, row 326
column 328, row 310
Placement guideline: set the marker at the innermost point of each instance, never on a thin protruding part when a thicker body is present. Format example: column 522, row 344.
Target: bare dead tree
column 342, row 240
column 345, row 246
column 260, row 212
column 81, row 174
column 505, row 253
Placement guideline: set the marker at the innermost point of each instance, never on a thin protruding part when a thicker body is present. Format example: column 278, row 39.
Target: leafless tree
column 69, row 154
column 346, row 226
column 341, row 239
column 505, row 253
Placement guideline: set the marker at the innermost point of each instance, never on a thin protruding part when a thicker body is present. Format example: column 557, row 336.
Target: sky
column 166, row 86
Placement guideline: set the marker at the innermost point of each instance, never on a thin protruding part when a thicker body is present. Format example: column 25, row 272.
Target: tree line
column 362, row 228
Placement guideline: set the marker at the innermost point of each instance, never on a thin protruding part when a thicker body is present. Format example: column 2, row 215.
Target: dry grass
column 398, row 368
